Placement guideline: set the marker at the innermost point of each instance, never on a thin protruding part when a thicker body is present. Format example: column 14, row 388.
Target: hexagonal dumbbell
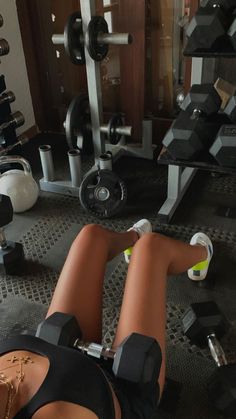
column 232, row 34
column 189, row 133
column 204, row 324
column 138, row 359
column 230, row 109
column 11, row 253
column 224, row 147
column 209, row 24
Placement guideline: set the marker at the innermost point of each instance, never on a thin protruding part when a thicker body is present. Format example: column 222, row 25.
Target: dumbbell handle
column 4, row 47
column 3, row 241
column 8, row 97
column 16, row 120
column 21, row 141
column 106, row 38
column 216, row 350
column 196, row 114
column 95, row 350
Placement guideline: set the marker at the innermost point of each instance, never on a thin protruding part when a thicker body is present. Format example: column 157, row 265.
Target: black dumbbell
column 14, row 120
column 224, row 147
column 204, row 324
column 232, row 34
column 138, row 359
column 230, row 109
column 7, row 97
column 209, row 24
column 11, row 253
column 189, row 133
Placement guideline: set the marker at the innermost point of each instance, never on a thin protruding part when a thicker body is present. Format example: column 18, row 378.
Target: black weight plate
column 77, row 121
column 97, row 25
column 112, row 135
column 73, row 35
column 103, row 193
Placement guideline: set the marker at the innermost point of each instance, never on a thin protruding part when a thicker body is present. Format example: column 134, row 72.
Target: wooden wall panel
column 132, row 59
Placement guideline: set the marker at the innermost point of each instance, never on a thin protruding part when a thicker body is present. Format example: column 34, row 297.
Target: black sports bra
column 72, row 377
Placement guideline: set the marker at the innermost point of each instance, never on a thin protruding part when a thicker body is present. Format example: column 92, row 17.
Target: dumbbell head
column 7, row 97
column 4, row 47
column 6, row 210
column 203, row 319
column 138, row 359
column 205, row 28
column 59, row 329
column 12, row 259
column 232, row 34
column 202, row 97
column 184, row 140
column 224, row 147
column 222, row 390
column 224, row 4
column 230, row 109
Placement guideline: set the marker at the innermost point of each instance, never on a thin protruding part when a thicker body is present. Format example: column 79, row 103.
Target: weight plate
column 112, row 135
column 103, row 193
column 97, row 26
column 73, row 39
column 78, row 124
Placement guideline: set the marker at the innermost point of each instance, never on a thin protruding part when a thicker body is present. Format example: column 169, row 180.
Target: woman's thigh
column 143, row 308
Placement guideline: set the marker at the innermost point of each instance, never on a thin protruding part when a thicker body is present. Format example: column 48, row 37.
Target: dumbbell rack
column 181, row 173
column 8, row 121
column 143, row 150
column 179, row 176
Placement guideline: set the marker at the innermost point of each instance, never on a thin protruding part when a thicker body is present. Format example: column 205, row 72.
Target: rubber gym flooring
column 48, row 229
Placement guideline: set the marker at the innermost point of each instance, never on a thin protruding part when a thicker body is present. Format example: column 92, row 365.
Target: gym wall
column 13, row 65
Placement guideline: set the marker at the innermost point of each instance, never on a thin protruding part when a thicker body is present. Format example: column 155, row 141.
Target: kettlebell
column 19, row 185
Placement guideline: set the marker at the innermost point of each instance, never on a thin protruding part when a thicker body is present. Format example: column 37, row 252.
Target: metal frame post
column 180, row 178
column 88, row 10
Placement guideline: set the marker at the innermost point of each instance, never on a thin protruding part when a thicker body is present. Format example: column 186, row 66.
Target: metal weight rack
column 99, row 130
column 180, row 178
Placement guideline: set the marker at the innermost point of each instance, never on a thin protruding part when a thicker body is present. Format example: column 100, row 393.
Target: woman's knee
column 151, row 241
column 93, row 232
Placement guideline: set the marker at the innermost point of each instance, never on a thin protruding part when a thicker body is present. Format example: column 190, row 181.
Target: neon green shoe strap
column 200, row 266
column 128, row 251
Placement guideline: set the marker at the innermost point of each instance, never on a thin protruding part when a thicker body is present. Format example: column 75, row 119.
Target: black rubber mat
column 47, row 230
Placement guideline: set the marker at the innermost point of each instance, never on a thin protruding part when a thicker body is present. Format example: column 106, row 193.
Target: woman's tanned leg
column 143, row 308
column 80, row 285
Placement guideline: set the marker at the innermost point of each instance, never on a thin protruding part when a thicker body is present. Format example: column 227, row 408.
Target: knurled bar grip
column 216, row 350
column 16, row 120
column 3, row 241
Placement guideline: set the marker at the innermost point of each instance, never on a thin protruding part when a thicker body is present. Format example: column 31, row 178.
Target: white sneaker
column 141, row 227
column 199, row 271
